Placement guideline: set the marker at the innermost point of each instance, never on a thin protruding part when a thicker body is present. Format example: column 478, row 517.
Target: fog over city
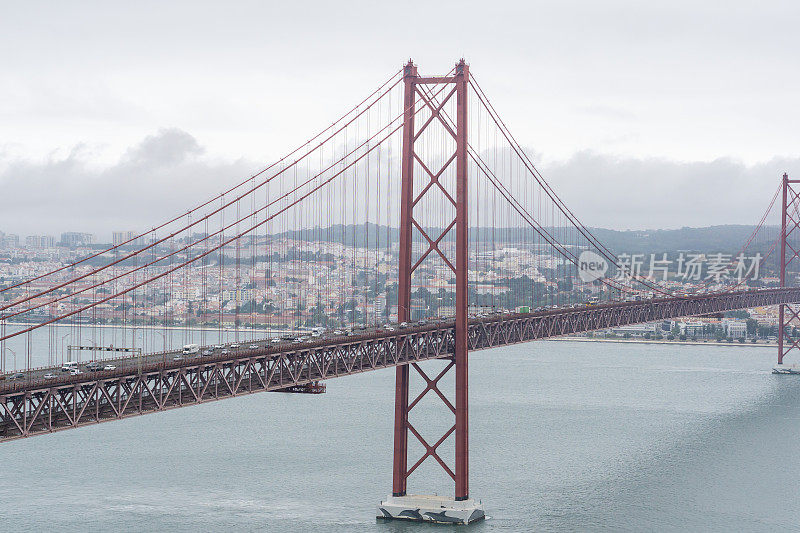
column 640, row 116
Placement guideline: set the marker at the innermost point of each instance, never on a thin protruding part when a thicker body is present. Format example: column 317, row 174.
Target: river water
column 565, row 436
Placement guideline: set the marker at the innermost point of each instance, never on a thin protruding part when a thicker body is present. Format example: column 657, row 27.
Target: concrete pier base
column 436, row 509
column 786, row 369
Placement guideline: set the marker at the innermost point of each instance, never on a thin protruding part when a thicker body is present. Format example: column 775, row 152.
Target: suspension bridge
column 413, row 228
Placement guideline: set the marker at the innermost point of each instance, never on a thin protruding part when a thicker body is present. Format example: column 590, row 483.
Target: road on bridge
column 38, row 404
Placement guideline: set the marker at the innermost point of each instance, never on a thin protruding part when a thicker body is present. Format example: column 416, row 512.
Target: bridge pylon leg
column 460, row 509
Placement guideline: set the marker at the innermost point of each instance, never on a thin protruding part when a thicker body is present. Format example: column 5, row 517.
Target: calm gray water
column 565, row 436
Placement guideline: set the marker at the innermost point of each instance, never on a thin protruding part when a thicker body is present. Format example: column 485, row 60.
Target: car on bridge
column 190, row 349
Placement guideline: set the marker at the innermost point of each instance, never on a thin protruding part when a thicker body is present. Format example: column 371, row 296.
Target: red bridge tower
column 790, row 222
column 422, row 91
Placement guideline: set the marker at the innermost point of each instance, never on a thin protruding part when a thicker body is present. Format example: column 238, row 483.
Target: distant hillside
column 710, row 239
column 728, row 238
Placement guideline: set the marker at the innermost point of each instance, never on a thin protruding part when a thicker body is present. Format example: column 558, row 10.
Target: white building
column 637, row 329
column 691, row 328
column 735, row 328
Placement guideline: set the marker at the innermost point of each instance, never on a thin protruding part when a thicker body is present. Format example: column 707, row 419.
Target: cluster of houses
column 757, row 323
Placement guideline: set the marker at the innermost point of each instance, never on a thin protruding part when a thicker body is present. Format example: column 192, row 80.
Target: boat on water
column 786, row 369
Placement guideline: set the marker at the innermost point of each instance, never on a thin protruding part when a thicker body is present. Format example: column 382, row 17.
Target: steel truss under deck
column 37, row 407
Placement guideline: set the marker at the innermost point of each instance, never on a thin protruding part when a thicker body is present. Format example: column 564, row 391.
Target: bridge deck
column 155, row 382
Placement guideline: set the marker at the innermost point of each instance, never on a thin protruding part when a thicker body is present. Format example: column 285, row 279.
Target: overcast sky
column 642, row 114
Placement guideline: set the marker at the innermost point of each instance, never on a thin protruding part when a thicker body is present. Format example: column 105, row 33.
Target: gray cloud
column 167, row 148
column 168, row 172
column 159, row 177
column 649, row 193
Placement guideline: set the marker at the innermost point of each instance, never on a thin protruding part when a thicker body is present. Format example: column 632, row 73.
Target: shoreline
column 564, row 338
column 651, row 341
